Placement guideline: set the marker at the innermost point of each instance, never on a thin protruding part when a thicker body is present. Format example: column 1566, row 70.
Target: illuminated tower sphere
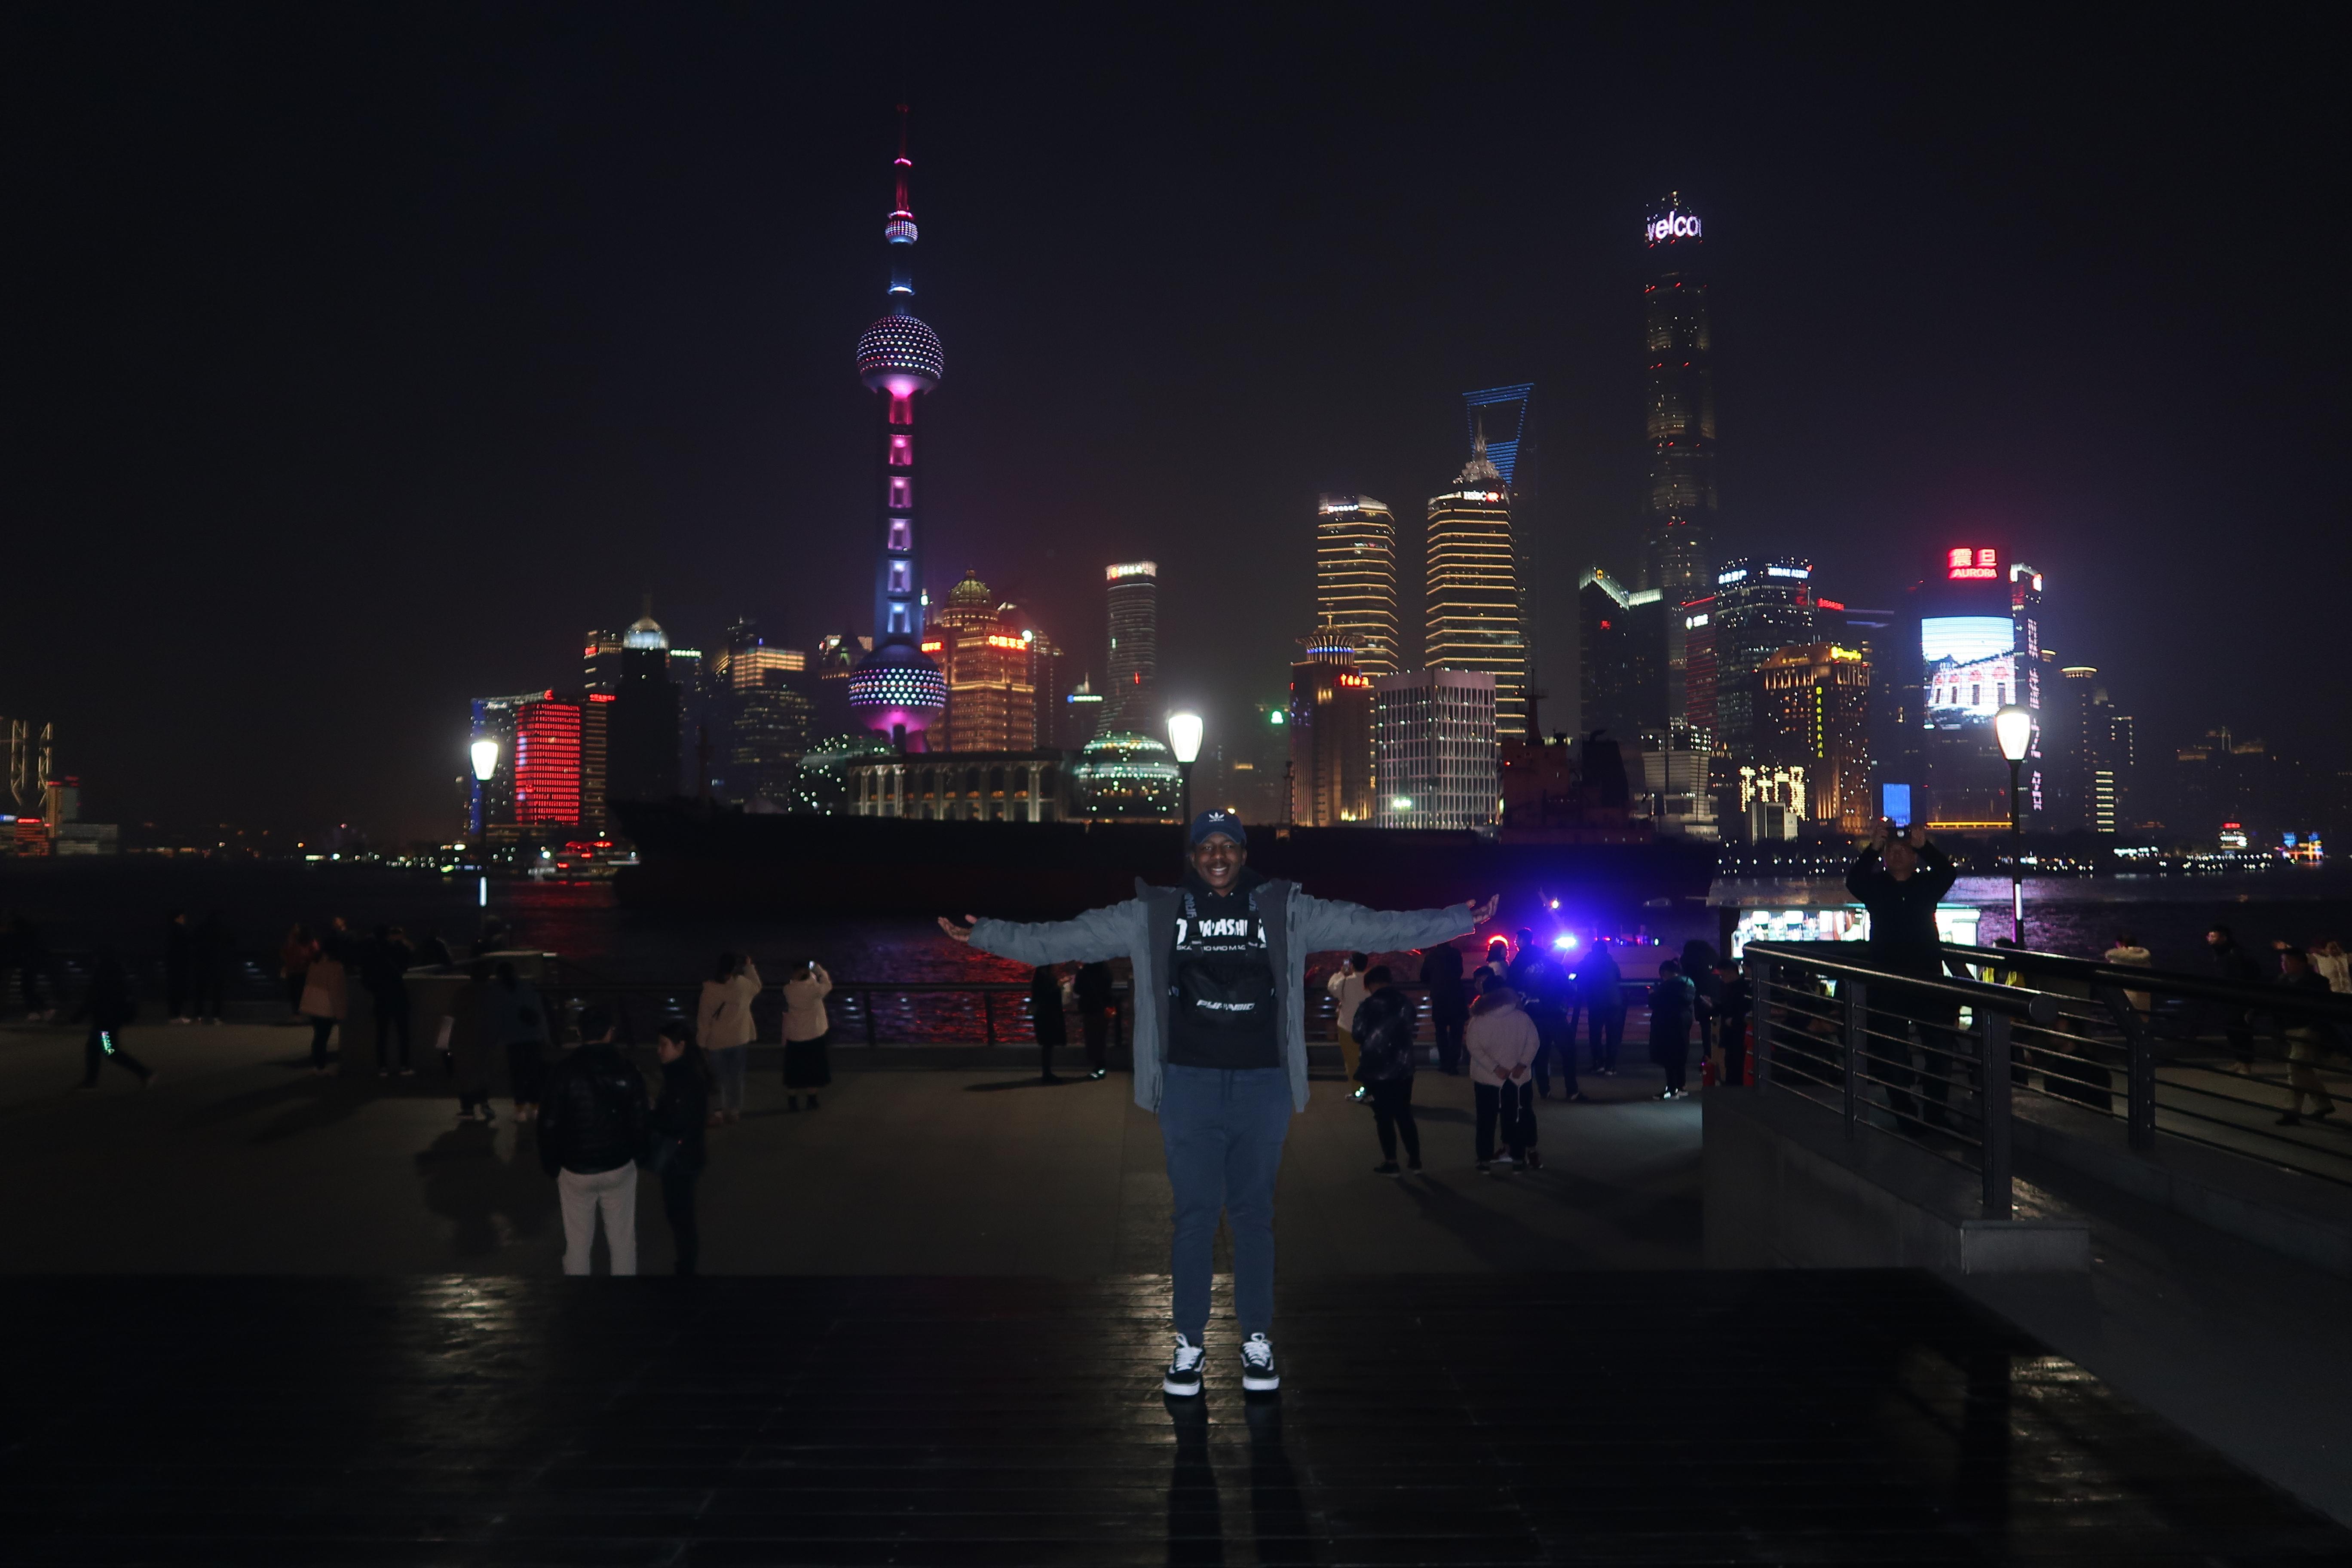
column 1678, row 499
column 897, row 691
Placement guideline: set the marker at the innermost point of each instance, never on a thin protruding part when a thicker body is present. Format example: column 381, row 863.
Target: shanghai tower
column 896, row 691
column 1678, row 496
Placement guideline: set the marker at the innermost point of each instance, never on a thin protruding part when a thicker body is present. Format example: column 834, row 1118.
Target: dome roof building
column 1124, row 776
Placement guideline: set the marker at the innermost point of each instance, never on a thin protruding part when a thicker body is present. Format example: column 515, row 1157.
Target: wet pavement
column 1627, row 1417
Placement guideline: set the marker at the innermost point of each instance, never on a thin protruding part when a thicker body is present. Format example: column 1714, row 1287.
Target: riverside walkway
column 275, row 1318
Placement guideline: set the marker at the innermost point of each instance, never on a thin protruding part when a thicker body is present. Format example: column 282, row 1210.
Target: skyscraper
column 1501, row 417
column 642, row 734
column 1625, row 663
column 1473, row 588
column 1760, row 605
column 1131, row 696
column 1330, row 736
column 897, row 691
column 547, row 761
column 1433, row 750
column 1498, row 415
column 1356, row 578
column 1979, row 650
column 991, row 704
column 1678, row 498
column 1813, row 712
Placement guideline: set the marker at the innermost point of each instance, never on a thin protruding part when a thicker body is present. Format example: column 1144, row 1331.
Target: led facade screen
column 1965, row 640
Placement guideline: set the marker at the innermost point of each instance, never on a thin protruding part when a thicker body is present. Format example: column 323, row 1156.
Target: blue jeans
column 1223, row 1131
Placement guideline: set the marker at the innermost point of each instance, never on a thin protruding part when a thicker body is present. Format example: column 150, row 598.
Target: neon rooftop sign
column 1673, row 226
column 1962, row 564
column 1132, row 569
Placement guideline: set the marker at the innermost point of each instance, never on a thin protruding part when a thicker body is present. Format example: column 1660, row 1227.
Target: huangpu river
column 79, row 905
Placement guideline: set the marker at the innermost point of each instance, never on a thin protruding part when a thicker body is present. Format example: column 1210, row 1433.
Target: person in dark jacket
column 109, row 1006
column 2235, row 964
column 2307, row 1035
column 513, row 1020
column 1542, row 986
column 1449, row 1010
column 592, row 1128
column 1098, row 1008
column 1698, row 967
column 674, row 1146
column 1900, row 876
column 385, row 973
column 1603, row 984
column 1673, row 1002
column 1731, row 1023
column 1046, row 1018
column 179, row 965
column 1384, row 1030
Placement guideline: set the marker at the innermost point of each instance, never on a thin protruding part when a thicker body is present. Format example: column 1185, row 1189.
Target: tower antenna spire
column 902, row 166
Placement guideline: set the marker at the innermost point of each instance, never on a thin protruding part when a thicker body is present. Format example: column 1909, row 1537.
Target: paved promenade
column 241, row 1161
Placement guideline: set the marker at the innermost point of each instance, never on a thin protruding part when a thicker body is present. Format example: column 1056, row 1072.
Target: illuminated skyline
column 595, row 349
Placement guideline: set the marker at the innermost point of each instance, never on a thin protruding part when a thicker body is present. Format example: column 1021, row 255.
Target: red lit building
column 547, row 761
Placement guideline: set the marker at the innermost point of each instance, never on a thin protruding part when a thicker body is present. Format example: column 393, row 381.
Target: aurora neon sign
column 1673, row 226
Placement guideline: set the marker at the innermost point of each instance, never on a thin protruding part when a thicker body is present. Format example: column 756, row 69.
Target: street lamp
column 2013, row 728
column 1184, row 740
column 486, row 758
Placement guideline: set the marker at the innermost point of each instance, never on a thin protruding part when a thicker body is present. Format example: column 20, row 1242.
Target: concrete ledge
column 1784, row 1189
column 2025, row 1246
column 2296, row 1215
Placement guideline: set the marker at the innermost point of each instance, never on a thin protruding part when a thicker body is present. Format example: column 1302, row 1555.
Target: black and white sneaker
column 1184, row 1369
column 1258, row 1375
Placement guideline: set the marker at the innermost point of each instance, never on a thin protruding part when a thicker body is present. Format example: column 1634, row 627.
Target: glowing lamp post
column 486, row 758
column 1184, row 740
column 2013, row 728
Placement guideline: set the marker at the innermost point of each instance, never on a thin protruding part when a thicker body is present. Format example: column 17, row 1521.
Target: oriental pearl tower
column 896, row 691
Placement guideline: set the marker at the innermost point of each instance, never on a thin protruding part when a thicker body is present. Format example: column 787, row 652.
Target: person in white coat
column 1348, row 989
column 1501, row 1042
column 808, row 1034
column 723, row 1028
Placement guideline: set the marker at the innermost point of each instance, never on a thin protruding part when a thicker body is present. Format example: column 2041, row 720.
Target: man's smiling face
column 1218, row 860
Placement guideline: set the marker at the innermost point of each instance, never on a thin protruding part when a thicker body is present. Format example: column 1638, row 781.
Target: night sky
column 361, row 360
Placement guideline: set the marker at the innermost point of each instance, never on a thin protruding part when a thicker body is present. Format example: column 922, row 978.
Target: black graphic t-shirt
column 1221, row 983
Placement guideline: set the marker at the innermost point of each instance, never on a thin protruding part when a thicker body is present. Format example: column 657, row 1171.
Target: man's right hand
column 961, row 932
column 1883, row 833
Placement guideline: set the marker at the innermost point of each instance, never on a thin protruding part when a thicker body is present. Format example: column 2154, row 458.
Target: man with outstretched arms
column 1221, row 1047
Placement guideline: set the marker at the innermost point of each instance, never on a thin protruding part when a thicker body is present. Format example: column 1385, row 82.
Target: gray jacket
column 1143, row 930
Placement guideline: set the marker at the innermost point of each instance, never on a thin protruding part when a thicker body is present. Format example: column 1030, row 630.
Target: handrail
column 2130, row 977
column 2035, row 1006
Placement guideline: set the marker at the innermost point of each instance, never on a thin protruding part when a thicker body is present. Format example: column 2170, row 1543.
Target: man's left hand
column 1481, row 913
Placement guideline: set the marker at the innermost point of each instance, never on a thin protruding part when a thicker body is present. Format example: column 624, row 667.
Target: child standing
column 1502, row 1043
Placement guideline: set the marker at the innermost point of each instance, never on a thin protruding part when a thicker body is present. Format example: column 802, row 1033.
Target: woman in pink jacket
column 1501, row 1042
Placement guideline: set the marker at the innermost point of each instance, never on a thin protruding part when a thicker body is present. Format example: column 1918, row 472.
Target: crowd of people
column 1513, row 1024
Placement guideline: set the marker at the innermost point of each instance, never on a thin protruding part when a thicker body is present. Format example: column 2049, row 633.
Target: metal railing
column 878, row 1013
column 1901, row 1065
column 1905, row 1056
column 2209, row 1061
